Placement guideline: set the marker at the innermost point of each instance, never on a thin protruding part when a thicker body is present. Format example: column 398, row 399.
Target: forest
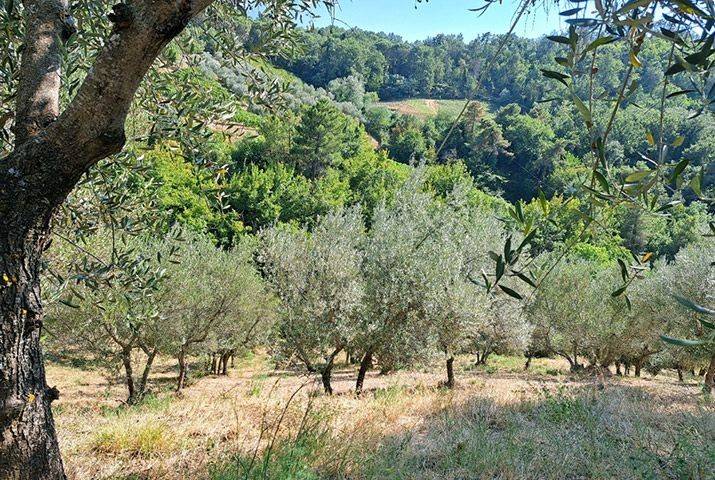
column 266, row 250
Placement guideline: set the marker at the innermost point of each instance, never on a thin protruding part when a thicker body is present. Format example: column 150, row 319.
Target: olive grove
column 123, row 125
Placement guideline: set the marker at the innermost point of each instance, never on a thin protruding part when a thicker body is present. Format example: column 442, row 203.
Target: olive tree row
column 179, row 296
column 690, row 276
column 575, row 316
column 317, row 278
column 95, row 61
column 397, row 293
column 215, row 303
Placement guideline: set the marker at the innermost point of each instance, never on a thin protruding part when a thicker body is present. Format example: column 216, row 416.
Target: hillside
column 262, row 250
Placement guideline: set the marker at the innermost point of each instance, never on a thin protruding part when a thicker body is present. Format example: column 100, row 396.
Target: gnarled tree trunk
column 213, row 368
column 28, row 445
column 450, row 372
column 144, row 380
column 181, row 381
column 327, row 371
column 527, row 364
column 325, row 378
column 710, row 375
column 129, row 374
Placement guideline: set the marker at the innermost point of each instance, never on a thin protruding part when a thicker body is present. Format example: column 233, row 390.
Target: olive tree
column 316, row 276
column 398, row 273
column 574, row 314
column 212, row 300
column 639, row 341
column 464, row 316
column 249, row 322
column 124, row 315
column 690, row 279
column 503, row 329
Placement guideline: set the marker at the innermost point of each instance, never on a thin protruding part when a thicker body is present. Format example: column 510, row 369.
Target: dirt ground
column 185, row 436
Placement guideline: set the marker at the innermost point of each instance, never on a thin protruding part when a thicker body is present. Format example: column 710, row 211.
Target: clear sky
column 417, row 21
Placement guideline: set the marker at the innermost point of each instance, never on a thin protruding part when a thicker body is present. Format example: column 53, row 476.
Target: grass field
column 499, row 423
column 424, row 107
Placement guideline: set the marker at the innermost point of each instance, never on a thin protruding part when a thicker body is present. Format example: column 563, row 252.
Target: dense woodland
column 307, row 220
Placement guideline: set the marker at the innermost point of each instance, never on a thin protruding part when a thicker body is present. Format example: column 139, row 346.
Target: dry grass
column 499, row 423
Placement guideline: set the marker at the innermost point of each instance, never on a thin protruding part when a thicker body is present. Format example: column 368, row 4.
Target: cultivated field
column 425, row 107
column 498, row 423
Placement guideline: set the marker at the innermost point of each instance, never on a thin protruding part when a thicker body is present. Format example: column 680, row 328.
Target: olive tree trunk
column 28, row 445
column 327, row 371
column 181, row 381
column 129, row 374
column 710, row 375
column 450, row 372
column 144, row 380
column 365, row 365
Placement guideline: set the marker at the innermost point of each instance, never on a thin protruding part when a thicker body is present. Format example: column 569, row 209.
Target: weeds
column 144, row 440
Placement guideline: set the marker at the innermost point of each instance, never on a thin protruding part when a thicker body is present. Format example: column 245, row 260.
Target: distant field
column 425, row 107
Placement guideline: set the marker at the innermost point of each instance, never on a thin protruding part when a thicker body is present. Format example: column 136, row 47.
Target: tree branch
column 96, row 116
column 47, row 166
column 47, row 25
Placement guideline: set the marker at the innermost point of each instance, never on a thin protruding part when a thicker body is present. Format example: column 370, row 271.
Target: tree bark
column 219, row 363
column 365, row 364
column 450, row 372
column 327, row 371
column 214, row 365
column 325, row 378
column 710, row 376
column 38, row 99
column 28, row 444
column 182, row 370
column 52, row 152
column 528, row 362
column 141, row 390
column 224, row 363
column 129, row 374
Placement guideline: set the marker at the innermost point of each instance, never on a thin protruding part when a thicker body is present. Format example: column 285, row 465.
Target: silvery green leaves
column 316, row 276
column 574, row 317
column 677, row 297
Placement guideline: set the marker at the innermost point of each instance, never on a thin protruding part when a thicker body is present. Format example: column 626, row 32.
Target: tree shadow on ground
column 567, row 431
column 579, row 432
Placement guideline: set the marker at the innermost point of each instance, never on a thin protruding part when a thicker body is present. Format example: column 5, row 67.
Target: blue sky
column 439, row 16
